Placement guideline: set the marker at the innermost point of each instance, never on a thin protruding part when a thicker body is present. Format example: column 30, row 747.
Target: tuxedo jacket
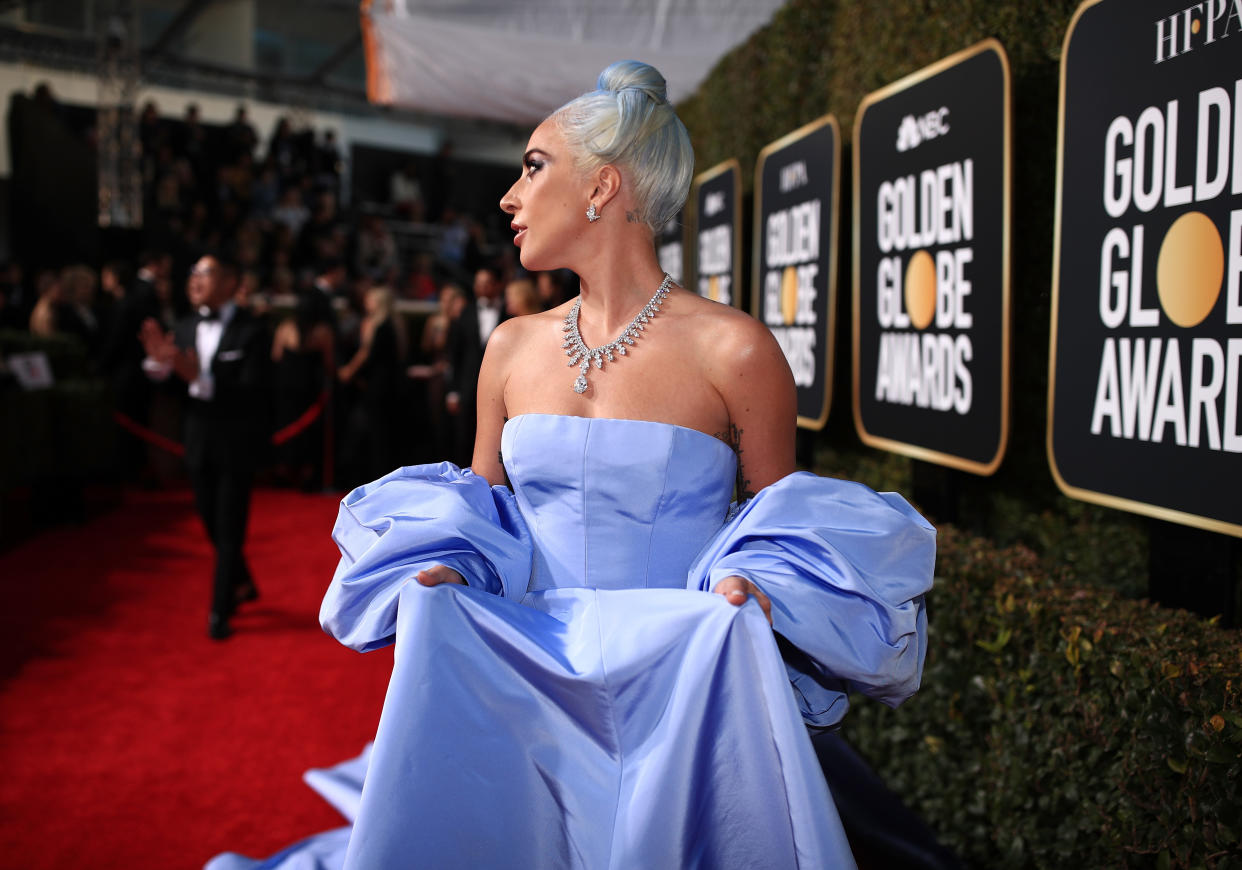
column 464, row 350
column 233, row 426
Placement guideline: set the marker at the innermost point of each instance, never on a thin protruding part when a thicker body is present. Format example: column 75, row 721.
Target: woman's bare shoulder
column 745, row 365
column 510, row 334
column 727, row 330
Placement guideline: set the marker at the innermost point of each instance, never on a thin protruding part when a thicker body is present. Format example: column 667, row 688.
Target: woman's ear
column 607, row 185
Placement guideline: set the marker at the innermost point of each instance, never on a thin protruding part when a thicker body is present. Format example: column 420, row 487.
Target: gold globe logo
column 1190, row 269
column 921, row 289
column 789, row 295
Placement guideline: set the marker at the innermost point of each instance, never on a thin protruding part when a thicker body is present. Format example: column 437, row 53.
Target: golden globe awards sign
column 717, row 195
column 671, row 249
column 797, row 179
column 931, row 262
column 1146, row 349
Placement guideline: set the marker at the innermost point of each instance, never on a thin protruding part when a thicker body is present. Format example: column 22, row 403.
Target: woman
column 303, row 358
column 378, row 368
column 432, row 372
column 580, row 702
column 81, row 314
column 521, row 298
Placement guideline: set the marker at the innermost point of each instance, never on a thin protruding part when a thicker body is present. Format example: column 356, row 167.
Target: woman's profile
column 587, row 670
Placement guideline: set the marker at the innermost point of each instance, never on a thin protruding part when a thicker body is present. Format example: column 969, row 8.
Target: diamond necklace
column 582, row 356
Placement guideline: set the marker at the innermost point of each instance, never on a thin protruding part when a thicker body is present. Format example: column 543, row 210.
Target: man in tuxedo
column 221, row 352
column 467, row 338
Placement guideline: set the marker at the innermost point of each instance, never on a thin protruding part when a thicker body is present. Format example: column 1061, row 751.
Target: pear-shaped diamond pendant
column 579, row 353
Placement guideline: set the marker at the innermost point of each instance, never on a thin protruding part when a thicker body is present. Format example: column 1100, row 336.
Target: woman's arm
column 491, row 422
column 347, row 371
column 493, row 374
column 753, row 377
column 750, row 372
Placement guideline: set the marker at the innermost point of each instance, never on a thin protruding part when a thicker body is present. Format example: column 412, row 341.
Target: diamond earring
column 591, row 214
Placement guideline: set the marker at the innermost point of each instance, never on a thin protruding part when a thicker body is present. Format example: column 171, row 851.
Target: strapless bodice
column 615, row 504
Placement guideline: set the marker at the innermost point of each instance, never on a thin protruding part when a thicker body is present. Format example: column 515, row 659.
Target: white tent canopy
column 519, row 60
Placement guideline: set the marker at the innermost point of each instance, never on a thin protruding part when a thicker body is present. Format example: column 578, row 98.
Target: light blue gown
column 583, row 702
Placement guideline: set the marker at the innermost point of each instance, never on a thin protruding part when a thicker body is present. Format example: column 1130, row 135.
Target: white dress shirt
column 207, row 335
column 489, row 318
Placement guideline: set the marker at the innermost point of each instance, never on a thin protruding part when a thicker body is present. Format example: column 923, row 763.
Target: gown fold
column 581, row 703
column 846, row 569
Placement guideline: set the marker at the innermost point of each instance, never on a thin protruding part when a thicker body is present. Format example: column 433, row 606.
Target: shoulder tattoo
column 733, row 437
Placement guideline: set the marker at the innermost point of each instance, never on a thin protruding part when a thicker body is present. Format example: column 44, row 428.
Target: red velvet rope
column 310, row 415
column 151, row 437
column 286, row 433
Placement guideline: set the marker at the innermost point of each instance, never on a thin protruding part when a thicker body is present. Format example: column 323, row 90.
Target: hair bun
column 627, row 75
column 628, row 121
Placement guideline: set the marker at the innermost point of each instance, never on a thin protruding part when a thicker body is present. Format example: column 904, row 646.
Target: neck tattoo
column 582, row 356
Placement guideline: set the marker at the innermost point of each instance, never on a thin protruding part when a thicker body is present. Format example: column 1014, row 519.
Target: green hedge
column 1060, row 725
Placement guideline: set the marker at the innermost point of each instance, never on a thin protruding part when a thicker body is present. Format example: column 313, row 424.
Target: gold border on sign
column 756, row 291
column 917, row 451
column 699, row 180
column 1111, row 501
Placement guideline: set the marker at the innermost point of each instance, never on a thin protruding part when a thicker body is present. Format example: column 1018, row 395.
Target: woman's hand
column 737, row 589
column 437, row 574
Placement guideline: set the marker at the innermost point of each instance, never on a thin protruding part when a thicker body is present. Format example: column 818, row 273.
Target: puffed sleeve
column 846, row 569
column 411, row 519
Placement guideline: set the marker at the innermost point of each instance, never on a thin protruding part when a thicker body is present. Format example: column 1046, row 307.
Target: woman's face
column 549, row 201
column 451, row 303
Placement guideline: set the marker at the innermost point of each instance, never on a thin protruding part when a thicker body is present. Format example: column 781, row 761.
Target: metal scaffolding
column 119, row 147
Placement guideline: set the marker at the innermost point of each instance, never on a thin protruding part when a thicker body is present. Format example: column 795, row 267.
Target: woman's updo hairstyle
column 627, row 121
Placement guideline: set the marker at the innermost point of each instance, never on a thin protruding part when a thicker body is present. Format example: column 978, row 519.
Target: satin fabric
column 582, row 703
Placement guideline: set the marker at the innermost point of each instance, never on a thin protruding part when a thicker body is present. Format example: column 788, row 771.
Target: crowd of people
column 380, row 327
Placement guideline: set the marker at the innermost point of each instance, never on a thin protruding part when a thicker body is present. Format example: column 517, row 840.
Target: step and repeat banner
column 1146, row 342
column 931, row 262
column 797, row 179
column 717, row 198
column 1145, row 353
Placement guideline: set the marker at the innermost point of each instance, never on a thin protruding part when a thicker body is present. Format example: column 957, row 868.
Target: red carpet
column 127, row 738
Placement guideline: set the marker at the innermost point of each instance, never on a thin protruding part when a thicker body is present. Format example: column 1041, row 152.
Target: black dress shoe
column 242, row 594
column 218, row 627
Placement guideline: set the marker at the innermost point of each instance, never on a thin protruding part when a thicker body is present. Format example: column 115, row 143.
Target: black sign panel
column 1145, row 380
column 717, row 195
column 797, row 179
column 931, row 262
column 670, row 245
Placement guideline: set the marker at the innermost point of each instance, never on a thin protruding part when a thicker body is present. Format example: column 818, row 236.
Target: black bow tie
column 208, row 315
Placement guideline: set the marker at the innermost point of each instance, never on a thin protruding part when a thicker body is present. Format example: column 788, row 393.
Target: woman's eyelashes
column 533, row 165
